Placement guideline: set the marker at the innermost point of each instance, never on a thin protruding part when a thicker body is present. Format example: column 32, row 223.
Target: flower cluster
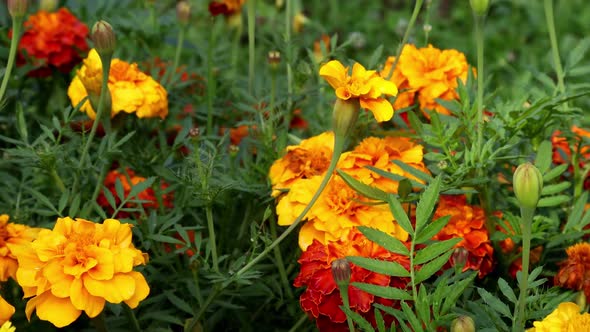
column 12, row 235
column 566, row 317
column 53, row 41
column 131, row 90
column 78, row 266
column 128, row 180
column 321, row 298
column 574, row 272
column 426, row 74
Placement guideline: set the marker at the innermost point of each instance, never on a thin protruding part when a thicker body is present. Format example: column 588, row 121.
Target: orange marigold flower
column 574, row 272
column 467, row 222
column 131, row 90
column 310, row 158
column 12, row 235
column 128, row 180
column 225, row 7
column 6, row 312
column 379, row 153
column 565, row 318
column 562, row 150
column 365, row 85
column 54, row 40
column 321, row 298
column 78, row 266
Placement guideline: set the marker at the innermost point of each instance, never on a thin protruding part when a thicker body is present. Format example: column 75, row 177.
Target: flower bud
column 479, row 7
column 183, row 12
column 274, row 58
column 48, row 5
column 527, row 184
column 344, row 116
column 17, row 8
column 341, row 272
column 581, row 301
column 459, row 257
column 103, row 37
column 463, row 324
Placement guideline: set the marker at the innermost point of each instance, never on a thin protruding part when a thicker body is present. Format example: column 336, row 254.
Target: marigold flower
column 78, row 266
column 129, row 179
column 6, row 312
column 12, row 235
column 321, row 298
column 365, row 85
column 566, row 317
column 574, row 272
column 226, row 7
column 467, row 222
column 54, row 40
column 310, row 158
column 131, row 90
column 562, row 151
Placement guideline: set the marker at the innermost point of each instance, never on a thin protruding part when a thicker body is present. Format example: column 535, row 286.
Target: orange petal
column 381, row 108
column 121, row 287
column 142, row 290
column 60, row 312
column 6, row 310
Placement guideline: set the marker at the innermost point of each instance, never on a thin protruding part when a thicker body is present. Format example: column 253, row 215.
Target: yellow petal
column 380, row 107
column 121, row 287
column 82, row 300
column 60, row 312
column 308, row 233
column 6, row 310
column 142, row 290
column 359, row 71
column 105, row 268
column 334, row 73
column 343, row 93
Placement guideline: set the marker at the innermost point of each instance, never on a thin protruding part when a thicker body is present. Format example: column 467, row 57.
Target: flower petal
column 142, row 290
column 381, row 108
column 82, row 300
column 334, row 73
column 121, row 287
column 60, row 312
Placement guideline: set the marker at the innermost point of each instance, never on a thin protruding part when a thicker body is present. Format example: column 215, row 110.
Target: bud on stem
column 103, row 38
column 344, row 116
column 479, row 7
column 17, row 8
column 527, row 184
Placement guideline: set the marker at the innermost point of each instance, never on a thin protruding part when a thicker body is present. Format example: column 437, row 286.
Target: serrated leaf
column 358, row 319
column 75, row 205
column 507, row 290
column 554, row 172
column 544, row 156
column 434, row 250
column 400, row 214
column 393, row 269
column 426, row 204
column 429, row 269
column 179, row 303
column 413, row 171
column 553, row 189
column 379, row 321
column 432, row 229
column 577, row 53
column 575, row 216
column 395, row 177
column 119, row 189
column 454, row 291
column 363, row 189
column 385, row 292
column 412, row 319
column 494, row 303
column 385, row 240
column 553, row 200
column 43, row 199
column 141, row 186
column 423, row 306
column 63, row 200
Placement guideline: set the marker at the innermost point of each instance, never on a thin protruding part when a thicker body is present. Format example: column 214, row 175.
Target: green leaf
column 385, row 240
column 413, row 171
column 75, row 205
column 412, row 319
column 63, row 200
column 385, row 292
column 434, row 250
column 553, row 189
column 400, row 214
column 553, row 200
column 427, row 202
column 375, row 57
column 21, row 124
column 554, row 172
column 379, row 321
column 423, row 306
column 395, row 177
column 179, row 303
column 544, row 156
column 432, row 229
column 575, row 216
column 43, row 199
column 494, row 302
column 453, row 291
column 109, row 195
column 358, row 319
column 432, row 267
column 363, row 189
column 507, row 290
column 577, row 54
column 393, row 269
column 141, row 186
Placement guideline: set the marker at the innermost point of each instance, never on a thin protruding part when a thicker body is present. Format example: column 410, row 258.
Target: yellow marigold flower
column 78, row 266
column 566, row 318
column 337, row 211
column 7, row 327
column 12, row 235
column 365, row 85
column 131, row 90
column 6, row 312
column 310, row 158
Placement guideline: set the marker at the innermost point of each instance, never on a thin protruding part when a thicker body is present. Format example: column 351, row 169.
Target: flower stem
column 179, row 45
column 426, row 25
column 99, row 323
column 16, row 29
column 279, row 261
column 132, row 319
column 526, row 221
column 288, row 18
column 554, row 47
column 415, row 12
column 58, row 181
column 251, row 44
column 480, row 79
column 212, row 241
column 343, row 288
column 210, row 79
column 300, row 321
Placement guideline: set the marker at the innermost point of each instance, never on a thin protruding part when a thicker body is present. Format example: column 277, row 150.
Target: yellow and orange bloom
column 574, row 272
column 131, row 90
column 366, row 86
column 12, row 235
column 78, row 266
column 566, row 317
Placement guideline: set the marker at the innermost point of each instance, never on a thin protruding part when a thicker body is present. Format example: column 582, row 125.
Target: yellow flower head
column 566, row 318
column 78, row 266
column 365, row 85
column 131, row 90
column 12, row 235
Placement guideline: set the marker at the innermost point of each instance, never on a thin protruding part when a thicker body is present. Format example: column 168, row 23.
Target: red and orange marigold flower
column 54, row 40
column 321, row 298
column 12, row 235
column 226, row 7
column 78, row 266
column 467, row 222
column 562, row 150
column 574, row 272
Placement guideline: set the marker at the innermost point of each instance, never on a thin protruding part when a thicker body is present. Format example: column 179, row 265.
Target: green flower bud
column 103, row 38
column 344, row 116
column 341, row 272
column 463, row 324
column 527, row 184
column 183, row 12
column 581, row 301
column 479, row 7
column 48, row 5
column 17, row 8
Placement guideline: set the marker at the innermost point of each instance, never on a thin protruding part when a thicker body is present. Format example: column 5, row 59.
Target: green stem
column 279, row 261
column 212, row 241
column 204, row 307
column 412, row 272
column 210, row 78
column 236, row 51
column 132, row 319
column 16, row 29
column 526, row 221
column 58, row 181
column 299, row 323
column 427, row 26
column 415, row 12
column 251, row 44
column 179, row 46
column 343, row 288
column 99, row 323
column 554, row 46
column 288, row 25
column 480, row 79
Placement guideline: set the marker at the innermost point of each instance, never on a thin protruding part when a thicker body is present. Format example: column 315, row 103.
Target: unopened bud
column 48, row 5
column 17, row 8
column 479, row 7
column 274, row 58
column 341, row 272
column 344, row 116
column 459, row 257
column 581, row 301
column 463, row 324
column 194, row 132
column 527, row 184
column 103, row 38
column 183, row 12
